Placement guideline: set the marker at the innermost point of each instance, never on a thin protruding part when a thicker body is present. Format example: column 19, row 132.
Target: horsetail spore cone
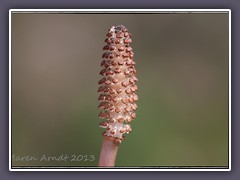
column 117, row 91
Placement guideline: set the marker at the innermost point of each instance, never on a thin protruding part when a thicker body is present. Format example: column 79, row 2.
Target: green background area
column 182, row 67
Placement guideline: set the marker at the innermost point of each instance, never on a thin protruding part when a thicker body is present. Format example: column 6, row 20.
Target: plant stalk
column 108, row 152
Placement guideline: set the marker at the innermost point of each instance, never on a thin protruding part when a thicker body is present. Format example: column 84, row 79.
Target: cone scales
column 118, row 84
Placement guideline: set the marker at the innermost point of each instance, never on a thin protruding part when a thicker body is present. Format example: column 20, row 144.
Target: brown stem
column 108, row 152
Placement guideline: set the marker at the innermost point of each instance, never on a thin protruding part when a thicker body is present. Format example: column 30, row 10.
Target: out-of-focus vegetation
column 182, row 66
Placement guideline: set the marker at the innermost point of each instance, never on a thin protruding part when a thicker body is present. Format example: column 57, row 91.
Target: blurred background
column 182, row 67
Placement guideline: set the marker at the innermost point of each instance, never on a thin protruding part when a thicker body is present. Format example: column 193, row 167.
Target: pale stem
column 108, row 152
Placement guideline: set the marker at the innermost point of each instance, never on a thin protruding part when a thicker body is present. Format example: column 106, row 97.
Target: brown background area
column 182, row 66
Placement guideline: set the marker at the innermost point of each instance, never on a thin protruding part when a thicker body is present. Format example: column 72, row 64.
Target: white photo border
column 132, row 11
